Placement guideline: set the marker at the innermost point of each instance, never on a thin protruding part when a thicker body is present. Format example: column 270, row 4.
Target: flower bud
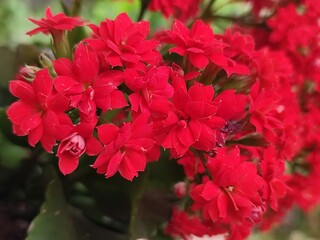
column 29, row 72
column 256, row 214
column 46, row 62
column 180, row 189
column 73, row 145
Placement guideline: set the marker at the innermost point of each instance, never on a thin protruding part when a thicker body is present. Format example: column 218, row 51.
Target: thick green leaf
column 11, row 155
column 54, row 220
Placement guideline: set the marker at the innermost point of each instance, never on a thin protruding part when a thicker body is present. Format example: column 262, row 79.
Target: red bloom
column 39, row 112
column 75, row 144
column 239, row 51
column 272, row 170
column 235, row 191
column 198, row 44
column 123, row 43
column 80, row 81
column 148, row 86
column 126, row 149
column 179, row 9
column 190, row 120
column 263, row 109
column 55, row 23
column 182, row 225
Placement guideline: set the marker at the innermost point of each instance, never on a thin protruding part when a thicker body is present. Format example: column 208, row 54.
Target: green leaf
column 11, row 155
column 150, row 220
column 54, row 220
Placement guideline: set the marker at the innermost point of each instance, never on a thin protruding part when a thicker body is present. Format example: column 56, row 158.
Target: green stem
column 76, row 8
column 72, row 8
column 61, row 44
column 242, row 20
column 137, row 196
column 207, row 11
column 143, row 9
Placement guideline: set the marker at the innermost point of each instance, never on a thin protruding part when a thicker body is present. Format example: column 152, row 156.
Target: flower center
column 230, row 188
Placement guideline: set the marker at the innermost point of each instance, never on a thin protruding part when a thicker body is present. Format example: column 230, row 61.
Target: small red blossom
column 39, row 112
column 198, row 44
column 272, row 170
column 235, row 191
column 182, row 225
column 239, row 51
column 148, row 86
column 127, row 149
column 81, row 82
column 263, row 107
column 179, row 9
column 55, row 23
column 189, row 120
column 123, row 43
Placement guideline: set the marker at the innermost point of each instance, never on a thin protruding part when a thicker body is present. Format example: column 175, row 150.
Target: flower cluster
column 232, row 109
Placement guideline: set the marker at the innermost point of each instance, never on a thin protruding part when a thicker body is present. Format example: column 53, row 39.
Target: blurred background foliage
column 38, row 202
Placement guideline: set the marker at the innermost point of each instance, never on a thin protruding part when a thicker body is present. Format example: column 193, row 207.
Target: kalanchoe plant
column 233, row 109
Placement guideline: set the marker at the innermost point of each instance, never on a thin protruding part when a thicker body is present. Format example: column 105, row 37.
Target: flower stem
column 137, row 196
column 207, row 11
column 143, row 8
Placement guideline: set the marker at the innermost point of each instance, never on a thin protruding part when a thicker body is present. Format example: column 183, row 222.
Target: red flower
column 75, row 144
column 39, row 112
column 55, row 23
column 148, row 86
column 80, row 81
column 190, row 120
column 123, row 43
column 235, row 191
column 198, row 44
column 263, row 109
column 239, row 50
column 182, row 225
column 126, row 149
column 272, row 170
column 179, row 9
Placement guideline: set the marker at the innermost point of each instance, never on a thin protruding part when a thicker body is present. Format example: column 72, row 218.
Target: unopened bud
column 29, row 72
column 46, row 62
column 180, row 189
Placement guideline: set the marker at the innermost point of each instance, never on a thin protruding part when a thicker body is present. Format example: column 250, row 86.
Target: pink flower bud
column 180, row 189
column 69, row 151
column 29, row 72
column 256, row 213
column 74, row 145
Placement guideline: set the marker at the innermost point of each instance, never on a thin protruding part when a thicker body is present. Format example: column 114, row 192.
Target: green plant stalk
column 137, row 196
column 61, row 45
column 143, row 8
